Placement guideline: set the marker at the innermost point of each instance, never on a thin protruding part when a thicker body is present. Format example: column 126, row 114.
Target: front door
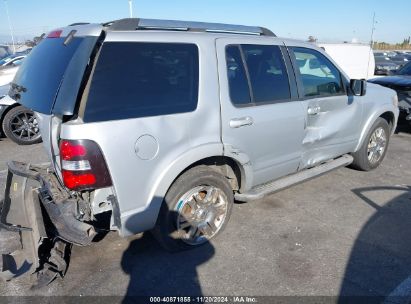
column 332, row 116
column 262, row 120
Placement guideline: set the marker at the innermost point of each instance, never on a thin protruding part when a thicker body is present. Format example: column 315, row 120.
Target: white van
column 357, row 60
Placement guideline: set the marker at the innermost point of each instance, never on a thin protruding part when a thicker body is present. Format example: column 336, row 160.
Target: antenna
column 11, row 29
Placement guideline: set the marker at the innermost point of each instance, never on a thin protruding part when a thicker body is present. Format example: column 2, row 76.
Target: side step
column 296, row 178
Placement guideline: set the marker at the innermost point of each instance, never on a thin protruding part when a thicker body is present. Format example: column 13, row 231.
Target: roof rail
column 79, row 23
column 131, row 24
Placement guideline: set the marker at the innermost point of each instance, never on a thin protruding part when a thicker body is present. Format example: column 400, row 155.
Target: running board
column 296, row 178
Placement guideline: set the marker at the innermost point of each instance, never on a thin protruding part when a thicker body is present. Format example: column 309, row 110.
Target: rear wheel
column 196, row 208
column 373, row 150
column 21, row 126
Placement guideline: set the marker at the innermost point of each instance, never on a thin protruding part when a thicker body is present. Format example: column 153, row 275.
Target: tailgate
column 50, row 78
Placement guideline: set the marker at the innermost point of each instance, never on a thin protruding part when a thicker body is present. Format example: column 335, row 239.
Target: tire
column 200, row 197
column 363, row 158
column 20, row 125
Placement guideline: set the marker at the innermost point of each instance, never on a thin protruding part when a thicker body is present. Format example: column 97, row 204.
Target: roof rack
column 131, row 24
column 78, row 23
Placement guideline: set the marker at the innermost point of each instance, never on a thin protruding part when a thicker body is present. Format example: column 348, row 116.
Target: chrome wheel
column 377, row 145
column 24, row 126
column 201, row 214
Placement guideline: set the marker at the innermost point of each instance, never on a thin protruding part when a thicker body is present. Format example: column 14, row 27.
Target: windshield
column 405, row 70
column 40, row 76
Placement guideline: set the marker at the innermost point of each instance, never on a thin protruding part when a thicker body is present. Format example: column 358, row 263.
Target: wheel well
column 224, row 165
column 389, row 117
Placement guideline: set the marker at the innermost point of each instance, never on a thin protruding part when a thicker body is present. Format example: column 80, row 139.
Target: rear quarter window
column 138, row 79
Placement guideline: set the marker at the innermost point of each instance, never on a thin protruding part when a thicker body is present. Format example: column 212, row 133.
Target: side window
column 318, row 75
column 138, row 79
column 267, row 72
column 263, row 80
column 237, row 78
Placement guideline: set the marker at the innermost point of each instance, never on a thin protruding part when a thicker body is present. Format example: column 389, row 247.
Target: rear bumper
column 36, row 212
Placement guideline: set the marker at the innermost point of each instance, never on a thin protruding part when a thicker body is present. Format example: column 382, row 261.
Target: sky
column 329, row 21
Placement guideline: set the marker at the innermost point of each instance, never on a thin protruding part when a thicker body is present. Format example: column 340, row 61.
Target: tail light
column 83, row 165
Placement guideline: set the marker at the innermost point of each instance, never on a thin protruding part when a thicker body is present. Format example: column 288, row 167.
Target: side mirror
column 358, row 87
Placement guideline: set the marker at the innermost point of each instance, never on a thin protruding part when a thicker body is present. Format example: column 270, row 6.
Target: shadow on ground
column 403, row 126
column 156, row 272
column 380, row 259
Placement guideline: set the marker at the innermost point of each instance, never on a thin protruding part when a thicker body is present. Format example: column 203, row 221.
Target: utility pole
column 130, row 6
column 372, row 30
column 371, row 42
column 11, row 29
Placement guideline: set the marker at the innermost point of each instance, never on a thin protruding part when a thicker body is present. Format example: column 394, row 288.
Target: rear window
column 40, row 77
column 136, row 79
column 263, row 81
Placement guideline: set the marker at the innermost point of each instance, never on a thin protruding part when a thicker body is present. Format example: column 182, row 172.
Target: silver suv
column 161, row 125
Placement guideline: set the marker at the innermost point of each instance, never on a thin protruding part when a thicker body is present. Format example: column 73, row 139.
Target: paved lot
column 345, row 233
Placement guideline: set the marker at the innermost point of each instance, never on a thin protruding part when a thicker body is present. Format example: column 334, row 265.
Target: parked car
column 400, row 81
column 9, row 67
column 4, row 91
column 4, row 51
column 161, row 130
column 7, row 74
column 384, row 65
column 12, row 60
column 17, row 122
column 405, row 54
column 399, row 59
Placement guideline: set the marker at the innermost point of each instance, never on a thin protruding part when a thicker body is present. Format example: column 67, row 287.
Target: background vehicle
column 4, row 90
column 4, row 51
column 355, row 59
column 399, row 59
column 400, row 81
column 12, row 60
column 9, row 67
column 204, row 114
column 384, row 65
column 17, row 122
column 7, row 74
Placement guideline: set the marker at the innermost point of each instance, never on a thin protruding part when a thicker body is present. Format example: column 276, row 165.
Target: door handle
column 314, row 110
column 241, row 122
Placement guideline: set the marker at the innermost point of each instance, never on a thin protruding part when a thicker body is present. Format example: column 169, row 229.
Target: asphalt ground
column 346, row 233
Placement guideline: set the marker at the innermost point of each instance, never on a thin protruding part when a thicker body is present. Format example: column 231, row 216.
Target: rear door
column 332, row 116
column 262, row 122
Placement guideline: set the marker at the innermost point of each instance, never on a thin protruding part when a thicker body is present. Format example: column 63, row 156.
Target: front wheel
column 21, row 126
column 195, row 209
column 374, row 148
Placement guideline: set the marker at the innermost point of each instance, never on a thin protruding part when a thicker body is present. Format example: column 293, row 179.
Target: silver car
column 161, row 125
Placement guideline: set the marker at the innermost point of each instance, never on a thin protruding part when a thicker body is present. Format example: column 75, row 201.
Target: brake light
column 68, row 150
column 55, row 34
column 83, row 165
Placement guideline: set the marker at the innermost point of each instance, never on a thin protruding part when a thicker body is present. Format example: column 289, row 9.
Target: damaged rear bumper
column 39, row 220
